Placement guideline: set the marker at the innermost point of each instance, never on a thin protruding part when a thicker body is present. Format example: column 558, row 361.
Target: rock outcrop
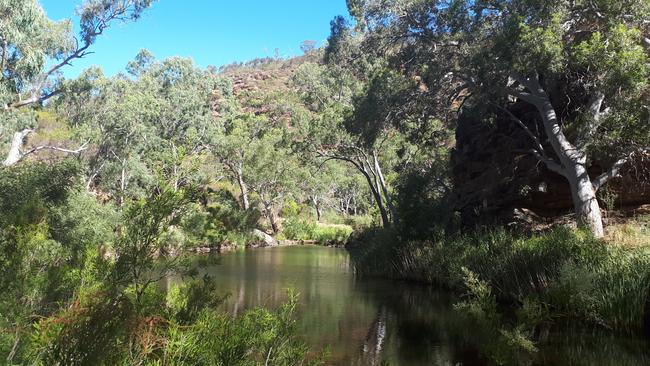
column 265, row 240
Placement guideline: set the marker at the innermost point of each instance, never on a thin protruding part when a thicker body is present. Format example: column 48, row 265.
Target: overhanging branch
column 56, row 148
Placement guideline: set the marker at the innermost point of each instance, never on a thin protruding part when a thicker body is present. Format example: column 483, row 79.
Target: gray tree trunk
column 586, row 205
column 385, row 219
column 15, row 155
column 384, row 189
column 572, row 160
column 574, row 165
column 123, row 183
column 243, row 189
column 318, row 207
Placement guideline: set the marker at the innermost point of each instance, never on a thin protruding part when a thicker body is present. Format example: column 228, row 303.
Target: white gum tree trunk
column 243, row 188
column 15, row 154
column 585, row 203
column 571, row 159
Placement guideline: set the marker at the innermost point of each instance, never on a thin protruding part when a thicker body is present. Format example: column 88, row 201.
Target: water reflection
column 377, row 322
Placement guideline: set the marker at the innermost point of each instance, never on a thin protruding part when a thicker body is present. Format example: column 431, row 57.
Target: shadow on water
column 381, row 322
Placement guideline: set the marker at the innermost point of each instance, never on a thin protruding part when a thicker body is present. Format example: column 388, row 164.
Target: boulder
column 265, row 240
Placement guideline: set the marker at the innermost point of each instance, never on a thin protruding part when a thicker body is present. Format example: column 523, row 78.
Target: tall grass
column 570, row 273
column 299, row 229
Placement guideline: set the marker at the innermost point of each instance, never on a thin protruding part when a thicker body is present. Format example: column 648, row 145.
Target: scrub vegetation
column 496, row 149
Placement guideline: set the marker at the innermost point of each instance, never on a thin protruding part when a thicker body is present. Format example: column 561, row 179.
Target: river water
column 381, row 322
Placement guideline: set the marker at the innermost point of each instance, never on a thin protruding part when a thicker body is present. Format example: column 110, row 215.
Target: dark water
column 380, row 322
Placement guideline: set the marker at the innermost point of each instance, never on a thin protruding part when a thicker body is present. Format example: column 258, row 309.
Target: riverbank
column 255, row 245
column 336, row 239
column 278, row 243
column 559, row 276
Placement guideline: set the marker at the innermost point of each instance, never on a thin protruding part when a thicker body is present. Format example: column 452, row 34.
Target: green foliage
column 571, row 274
column 142, row 240
column 301, row 229
column 195, row 333
column 481, row 303
column 616, row 58
column 186, row 301
column 257, row 337
column 423, row 204
column 37, row 262
column 32, row 39
column 332, row 234
column 64, row 338
column 139, row 130
column 221, row 221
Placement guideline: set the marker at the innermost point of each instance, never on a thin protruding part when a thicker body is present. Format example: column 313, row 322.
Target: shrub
column 259, row 336
column 220, row 221
column 85, row 334
column 332, row 234
column 106, row 329
column 296, row 228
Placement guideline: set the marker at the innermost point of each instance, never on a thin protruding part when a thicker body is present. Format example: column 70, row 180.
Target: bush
column 296, row 228
column 86, row 334
column 219, row 221
column 259, row 336
column 332, row 234
column 301, row 229
column 106, row 330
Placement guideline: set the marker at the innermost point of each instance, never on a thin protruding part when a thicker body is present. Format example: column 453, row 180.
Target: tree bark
column 586, row 205
column 572, row 160
column 385, row 219
column 243, row 189
column 273, row 220
column 374, row 184
column 15, row 155
column 317, row 206
column 123, row 183
column 384, row 189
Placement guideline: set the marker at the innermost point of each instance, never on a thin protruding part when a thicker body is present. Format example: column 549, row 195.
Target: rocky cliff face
column 496, row 179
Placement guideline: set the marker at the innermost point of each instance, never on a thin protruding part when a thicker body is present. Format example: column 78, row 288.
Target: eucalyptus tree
column 231, row 143
column 351, row 100
column 154, row 123
column 273, row 173
column 582, row 66
column 319, row 186
column 34, row 49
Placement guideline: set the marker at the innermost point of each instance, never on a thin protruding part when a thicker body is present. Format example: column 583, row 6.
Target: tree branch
column 596, row 117
column 535, row 138
column 93, row 25
column 551, row 164
column 55, row 148
column 613, row 172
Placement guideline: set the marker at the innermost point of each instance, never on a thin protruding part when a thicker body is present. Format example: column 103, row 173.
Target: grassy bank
column 559, row 275
column 322, row 234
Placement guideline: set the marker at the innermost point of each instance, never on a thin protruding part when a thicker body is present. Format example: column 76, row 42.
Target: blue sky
column 211, row 32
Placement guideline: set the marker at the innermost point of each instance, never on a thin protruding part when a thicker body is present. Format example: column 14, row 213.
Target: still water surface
column 381, row 322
